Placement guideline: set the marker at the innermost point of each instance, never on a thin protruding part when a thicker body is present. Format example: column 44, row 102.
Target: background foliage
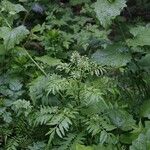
column 74, row 75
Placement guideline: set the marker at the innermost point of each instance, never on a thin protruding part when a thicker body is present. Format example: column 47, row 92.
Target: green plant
column 74, row 75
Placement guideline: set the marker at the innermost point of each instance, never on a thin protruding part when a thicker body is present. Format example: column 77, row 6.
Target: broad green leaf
column 142, row 142
column 107, row 11
column 114, row 55
column 145, row 62
column 49, row 60
column 14, row 36
column 145, row 109
column 129, row 137
column 11, row 8
column 121, row 119
column 141, row 36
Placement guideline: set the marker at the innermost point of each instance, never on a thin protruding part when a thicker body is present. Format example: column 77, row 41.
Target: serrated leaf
column 11, row 8
column 15, row 85
column 129, row 137
column 121, row 119
column 107, row 11
column 103, row 137
column 142, row 142
column 141, row 36
column 7, row 117
column 49, row 60
column 114, row 55
column 58, row 132
column 14, row 36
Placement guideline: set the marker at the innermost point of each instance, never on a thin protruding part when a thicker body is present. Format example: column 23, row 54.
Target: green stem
column 26, row 16
column 35, row 63
column 6, row 21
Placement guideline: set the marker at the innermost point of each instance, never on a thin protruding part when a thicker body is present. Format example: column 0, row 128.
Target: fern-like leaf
column 95, row 124
column 71, row 141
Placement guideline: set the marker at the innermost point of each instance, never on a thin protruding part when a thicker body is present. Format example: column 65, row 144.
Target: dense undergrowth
column 74, row 75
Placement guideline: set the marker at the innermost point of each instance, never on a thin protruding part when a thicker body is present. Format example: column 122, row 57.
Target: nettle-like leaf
column 15, row 85
column 22, row 107
column 142, row 142
column 121, row 119
column 107, row 11
column 14, row 36
column 11, row 87
column 128, row 137
column 91, row 37
column 141, row 36
column 11, row 8
column 114, row 55
column 5, row 115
